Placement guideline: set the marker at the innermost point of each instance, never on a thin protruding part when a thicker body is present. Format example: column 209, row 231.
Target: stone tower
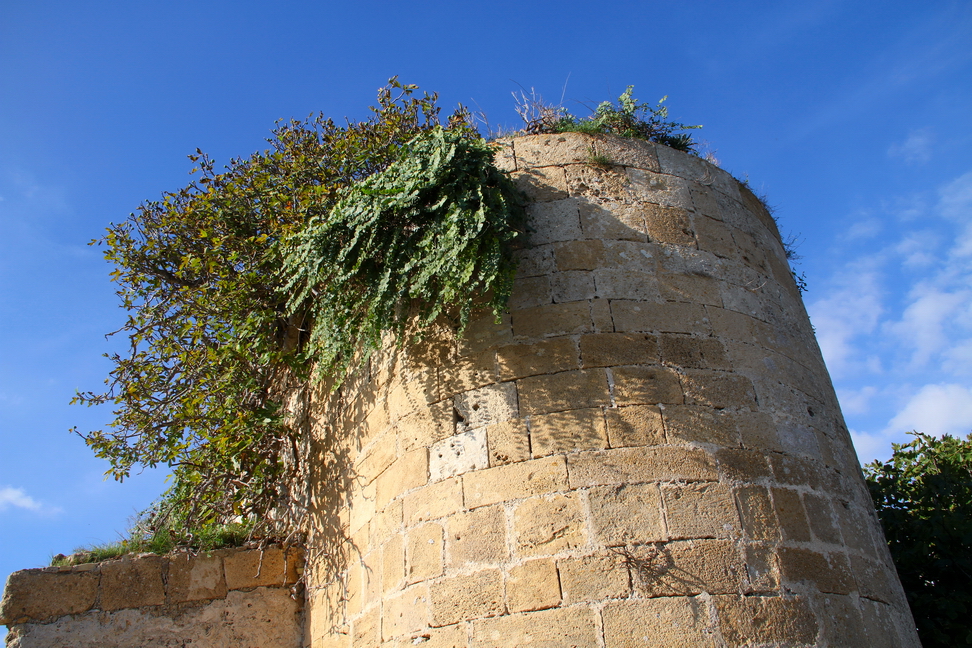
column 646, row 451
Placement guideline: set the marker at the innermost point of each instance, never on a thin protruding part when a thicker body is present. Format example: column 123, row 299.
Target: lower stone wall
column 231, row 598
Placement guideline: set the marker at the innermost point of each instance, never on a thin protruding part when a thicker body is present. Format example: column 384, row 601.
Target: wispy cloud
column 17, row 498
column 852, row 310
column 936, row 409
column 916, row 149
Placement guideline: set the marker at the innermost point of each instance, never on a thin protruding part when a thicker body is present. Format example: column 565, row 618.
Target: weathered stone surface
column 37, row 595
column 263, row 617
column 458, row 454
column 572, row 626
column 658, row 623
column 195, row 578
column 260, row 568
column 543, row 526
column 467, row 597
column 532, row 585
column 133, row 581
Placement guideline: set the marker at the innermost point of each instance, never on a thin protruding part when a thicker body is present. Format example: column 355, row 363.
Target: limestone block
column 693, row 289
column 409, row 471
column 757, row 513
column 821, row 518
column 507, row 442
column 646, row 386
column 669, row 225
column 393, row 563
column 828, row 572
column 458, row 454
column 700, row 424
column 742, row 465
column 549, row 356
column 467, row 597
column 532, row 585
column 375, row 459
column 486, row 405
column 136, row 582
column 687, row 567
column 425, row 426
column 560, row 432
column 571, row 286
column 471, row 372
column 540, row 186
column 636, row 316
column 431, row 502
column 194, row 578
column 858, row 529
column 634, row 465
column 405, row 612
column 658, row 623
column 762, row 573
column 841, row 622
column 580, row 255
column 699, row 511
column 777, row 620
column 544, row 526
column 424, row 553
column 594, row 183
column 626, row 284
column 552, row 320
column 704, row 201
column 573, row 626
column 627, row 513
column 364, row 507
column 514, row 481
column 477, row 536
column 594, row 578
column 610, row 220
column 688, row 352
column 37, row 595
column 718, row 389
column 553, row 149
column 451, row 636
column 758, row 431
column 535, row 261
column 798, row 471
column 629, row 255
column 530, row 292
column 791, row 514
column 563, row 391
column 613, row 349
column 656, row 188
column 634, row 425
column 367, row 628
column 386, row 523
column 549, row 222
column 715, row 237
column 601, row 316
column 484, row 332
column 628, row 152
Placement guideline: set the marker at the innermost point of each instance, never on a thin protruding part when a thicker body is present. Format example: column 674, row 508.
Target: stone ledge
column 144, row 581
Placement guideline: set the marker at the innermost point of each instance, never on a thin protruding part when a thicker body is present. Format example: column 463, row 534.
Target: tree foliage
column 213, row 326
column 923, row 496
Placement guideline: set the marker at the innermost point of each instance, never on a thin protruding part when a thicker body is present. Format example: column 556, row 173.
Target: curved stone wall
column 646, row 450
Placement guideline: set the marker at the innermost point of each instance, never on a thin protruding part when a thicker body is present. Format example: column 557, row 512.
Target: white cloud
column 870, row 446
column 17, row 498
column 923, row 323
column 916, row 149
column 856, row 401
column 936, row 410
column 851, row 311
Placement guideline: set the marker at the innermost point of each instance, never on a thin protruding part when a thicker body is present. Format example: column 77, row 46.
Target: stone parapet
column 645, row 450
column 149, row 600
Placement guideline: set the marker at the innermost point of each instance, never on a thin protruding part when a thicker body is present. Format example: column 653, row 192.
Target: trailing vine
column 369, row 221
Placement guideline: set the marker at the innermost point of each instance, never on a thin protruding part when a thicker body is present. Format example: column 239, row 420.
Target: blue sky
column 853, row 118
